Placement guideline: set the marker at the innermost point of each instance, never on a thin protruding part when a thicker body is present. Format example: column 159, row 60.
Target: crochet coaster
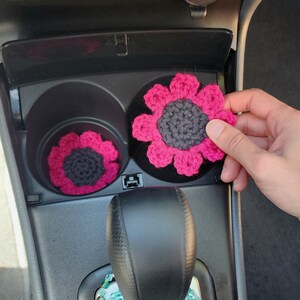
column 82, row 164
column 176, row 127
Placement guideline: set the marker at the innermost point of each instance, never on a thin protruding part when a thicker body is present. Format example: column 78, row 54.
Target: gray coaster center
column 182, row 124
column 84, row 166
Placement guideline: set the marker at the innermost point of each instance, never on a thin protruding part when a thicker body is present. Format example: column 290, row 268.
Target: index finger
column 255, row 101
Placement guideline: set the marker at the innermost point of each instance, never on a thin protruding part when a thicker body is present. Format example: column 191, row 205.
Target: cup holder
column 77, row 108
column 138, row 150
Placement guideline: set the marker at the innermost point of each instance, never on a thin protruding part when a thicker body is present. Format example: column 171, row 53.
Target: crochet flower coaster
column 176, row 127
column 82, row 164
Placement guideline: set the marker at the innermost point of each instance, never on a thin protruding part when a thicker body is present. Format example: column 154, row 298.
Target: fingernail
column 224, row 174
column 214, row 128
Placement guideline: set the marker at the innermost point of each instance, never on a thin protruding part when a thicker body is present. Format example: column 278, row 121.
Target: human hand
column 264, row 144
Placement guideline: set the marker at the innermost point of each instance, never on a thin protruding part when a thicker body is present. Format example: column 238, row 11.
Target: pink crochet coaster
column 176, row 127
column 82, row 164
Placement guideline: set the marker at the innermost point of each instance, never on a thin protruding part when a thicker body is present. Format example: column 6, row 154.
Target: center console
column 74, row 67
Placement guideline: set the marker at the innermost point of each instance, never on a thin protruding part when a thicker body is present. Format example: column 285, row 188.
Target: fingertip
column 214, row 128
column 227, row 104
column 231, row 169
column 241, row 182
column 237, row 188
column 225, row 176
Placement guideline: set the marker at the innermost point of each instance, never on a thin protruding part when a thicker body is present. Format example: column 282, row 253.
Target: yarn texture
column 182, row 124
column 82, row 164
column 176, row 127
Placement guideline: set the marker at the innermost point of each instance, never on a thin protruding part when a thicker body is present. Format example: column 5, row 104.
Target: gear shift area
column 110, row 290
column 71, row 87
column 151, row 241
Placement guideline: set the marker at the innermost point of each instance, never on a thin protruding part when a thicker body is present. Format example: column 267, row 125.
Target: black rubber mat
column 271, row 237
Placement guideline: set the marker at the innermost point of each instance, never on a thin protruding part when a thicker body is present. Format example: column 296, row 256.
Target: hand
column 265, row 144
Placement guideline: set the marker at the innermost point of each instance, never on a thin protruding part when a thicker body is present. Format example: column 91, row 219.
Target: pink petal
column 69, row 142
column 144, row 128
column 90, row 139
column 184, row 86
column 71, row 189
column 210, row 99
column 109, row 176
column 56, row 157
column 157, row 97
column 58, row 177
column 111, row 172
column 210, row 151
column 68, row 189
column 227, row 116
column 187, row 163
column 99, row 185
column 108, row 151
column 159, row 154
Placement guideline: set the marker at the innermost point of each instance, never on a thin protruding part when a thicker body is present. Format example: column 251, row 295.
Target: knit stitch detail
column 159, row 154
column 82, row 164
column 182, row 124
column 176, row 127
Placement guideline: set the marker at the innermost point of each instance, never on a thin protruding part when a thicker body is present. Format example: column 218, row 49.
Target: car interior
column 76, row 73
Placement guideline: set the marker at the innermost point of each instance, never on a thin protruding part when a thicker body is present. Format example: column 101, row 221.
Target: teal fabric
column 104, row 294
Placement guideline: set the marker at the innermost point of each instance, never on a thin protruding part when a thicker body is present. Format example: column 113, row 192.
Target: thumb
column 233, row 142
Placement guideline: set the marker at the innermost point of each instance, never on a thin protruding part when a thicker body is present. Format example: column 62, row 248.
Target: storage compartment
column 72, row 68
column 96, row 82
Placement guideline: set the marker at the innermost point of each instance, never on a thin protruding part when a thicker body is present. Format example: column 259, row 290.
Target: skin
column 265, row 144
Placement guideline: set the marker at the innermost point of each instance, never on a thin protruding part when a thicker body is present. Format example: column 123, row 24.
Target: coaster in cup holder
column 82, row 164
column 76, row 140
column 175, row 128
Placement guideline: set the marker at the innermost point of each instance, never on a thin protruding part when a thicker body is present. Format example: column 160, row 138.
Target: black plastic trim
column 31, row 274
column 45, row 59
column 91, row 282
column 31, row 19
